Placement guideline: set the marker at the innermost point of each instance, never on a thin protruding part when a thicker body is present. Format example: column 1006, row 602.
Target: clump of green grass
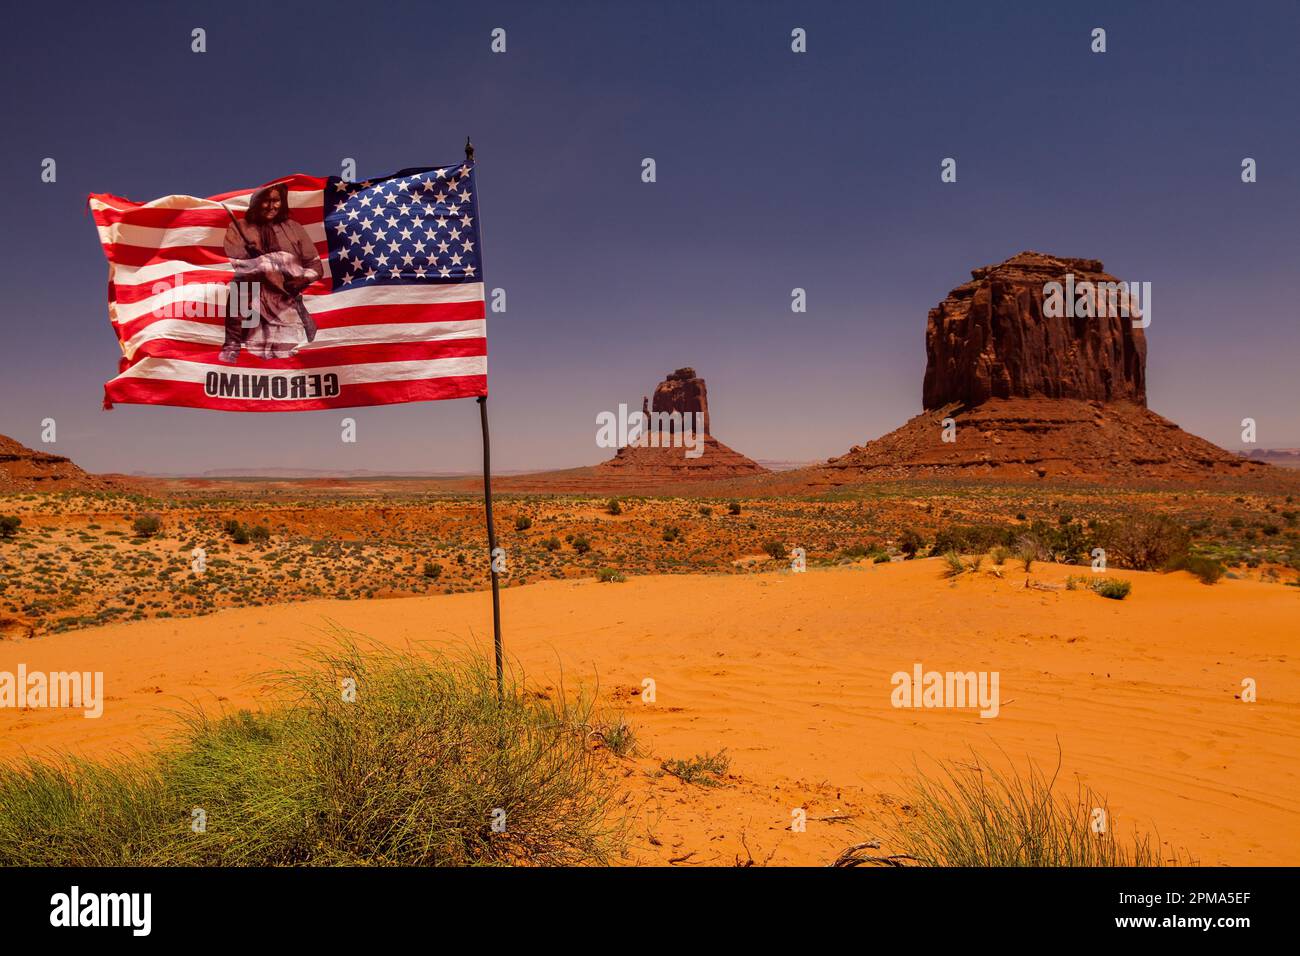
column 610, row 576
column 705, row 769
column 999, row 555
column 1117, row 589
column 617, row 735
column 413, row 770
column 974, row 815
column 1028, row 550
column 953, row 565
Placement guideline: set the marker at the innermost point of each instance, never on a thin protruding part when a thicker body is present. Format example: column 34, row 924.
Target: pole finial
column 469, row 151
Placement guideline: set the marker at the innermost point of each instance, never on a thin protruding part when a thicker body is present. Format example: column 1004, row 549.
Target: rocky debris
column 992, row 338
column 1036, row 438
column 22, row 469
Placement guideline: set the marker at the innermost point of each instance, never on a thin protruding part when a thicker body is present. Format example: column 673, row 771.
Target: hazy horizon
column 775, row 170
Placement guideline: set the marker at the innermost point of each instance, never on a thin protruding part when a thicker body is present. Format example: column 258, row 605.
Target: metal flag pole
column 487, row 503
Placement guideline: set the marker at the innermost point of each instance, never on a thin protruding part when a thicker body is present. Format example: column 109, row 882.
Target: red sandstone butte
column 990, row 338
column 1034, row 396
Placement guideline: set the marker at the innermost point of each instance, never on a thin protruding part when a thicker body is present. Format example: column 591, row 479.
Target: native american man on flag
column 270, row 249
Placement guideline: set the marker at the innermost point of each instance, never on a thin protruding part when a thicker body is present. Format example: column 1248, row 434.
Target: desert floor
column 791, row 674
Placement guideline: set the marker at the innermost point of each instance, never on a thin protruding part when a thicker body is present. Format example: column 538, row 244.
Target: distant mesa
column 1033, row 394
column 22, row 469
column 685, row 393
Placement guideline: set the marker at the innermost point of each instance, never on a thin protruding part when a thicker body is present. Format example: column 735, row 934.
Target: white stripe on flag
column 154, row 237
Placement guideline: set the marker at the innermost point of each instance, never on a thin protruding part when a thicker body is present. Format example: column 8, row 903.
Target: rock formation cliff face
column 22, row 469
column 685, row 392
column 993, row 338
column 682, row 391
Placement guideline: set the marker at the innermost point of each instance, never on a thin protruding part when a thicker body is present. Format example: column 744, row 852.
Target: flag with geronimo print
column 302, row 294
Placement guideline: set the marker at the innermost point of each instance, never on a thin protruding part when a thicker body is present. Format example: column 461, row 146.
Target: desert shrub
column 1207, row 569
column 733, row 507
column 432, row 570
column 551, row 544
column 999, row 555
column 672, row 533
column 910, row 542
column 581, row 544
column 9, row 525
column 259, row 533
column 776, row 550
column 613, row 507
column 405, row 774
column 881, row 558
column 970, row 539
column 610, row 576
column 523, row 522
column 706, row 511
column 856, row 551
column 146, row 526
column 973, row 815
column 1117, row 589
column 705, row 769
column 1144, row 542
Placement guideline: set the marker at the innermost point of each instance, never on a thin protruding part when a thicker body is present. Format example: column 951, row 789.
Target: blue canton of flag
column 416, row 226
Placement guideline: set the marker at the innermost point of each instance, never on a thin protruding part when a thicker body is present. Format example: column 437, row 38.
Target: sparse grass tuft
column 976, row 816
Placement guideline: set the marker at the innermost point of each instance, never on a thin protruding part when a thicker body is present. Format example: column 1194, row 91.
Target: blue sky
column 775, row 170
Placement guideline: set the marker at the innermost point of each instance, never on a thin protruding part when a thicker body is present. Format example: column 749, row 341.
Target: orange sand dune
column 791, row 674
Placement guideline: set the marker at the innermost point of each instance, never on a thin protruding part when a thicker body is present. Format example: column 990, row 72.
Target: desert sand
column 791, row 674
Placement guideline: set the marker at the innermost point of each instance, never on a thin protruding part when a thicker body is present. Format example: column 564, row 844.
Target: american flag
column 398, row 305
